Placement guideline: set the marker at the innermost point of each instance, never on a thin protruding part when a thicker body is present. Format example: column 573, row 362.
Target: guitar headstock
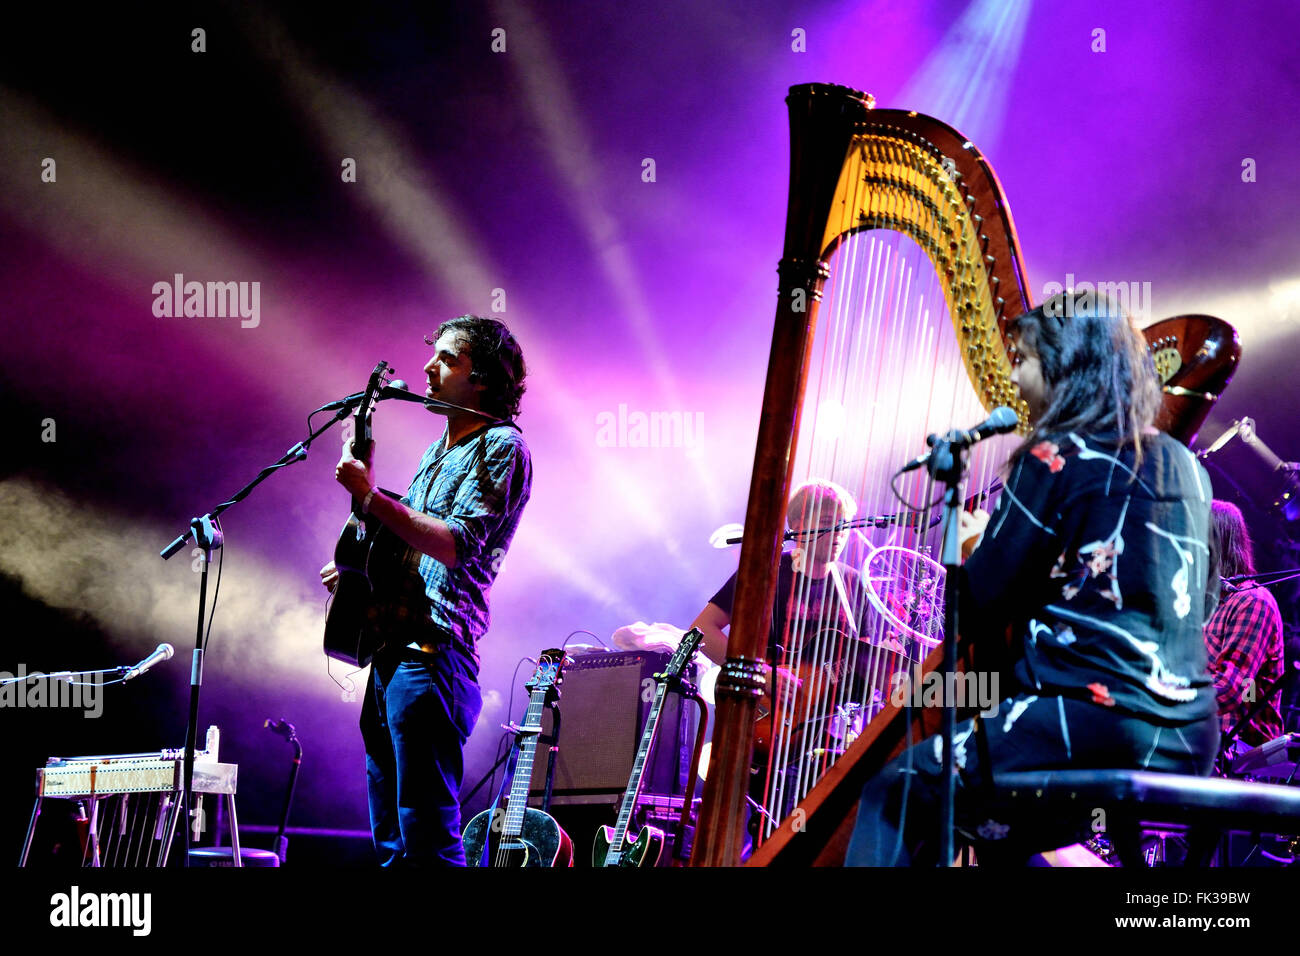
column 380, row 377
column 686, row 649
column 549, row 674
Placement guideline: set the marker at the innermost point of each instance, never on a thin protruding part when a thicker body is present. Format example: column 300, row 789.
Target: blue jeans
column 1028, row 733
column 419, row 711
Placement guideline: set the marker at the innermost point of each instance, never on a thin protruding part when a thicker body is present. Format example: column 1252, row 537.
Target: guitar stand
column 681, row 851
column 552, row 752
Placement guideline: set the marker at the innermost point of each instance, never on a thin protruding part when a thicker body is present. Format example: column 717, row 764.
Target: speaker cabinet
column 604, row 702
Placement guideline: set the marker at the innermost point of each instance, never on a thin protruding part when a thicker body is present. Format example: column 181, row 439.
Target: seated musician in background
column 827, row 678
column 813, row 590
column 1096, row 556
column 1243, row 635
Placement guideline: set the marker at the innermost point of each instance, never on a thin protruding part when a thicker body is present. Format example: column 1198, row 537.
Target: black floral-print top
column 1102, row 573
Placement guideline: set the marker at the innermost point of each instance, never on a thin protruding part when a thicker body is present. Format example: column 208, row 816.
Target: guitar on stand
column 612, row 846
column 521, row 835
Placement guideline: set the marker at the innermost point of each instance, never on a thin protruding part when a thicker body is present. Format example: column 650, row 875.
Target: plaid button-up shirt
column 1244, row 638
column 478, row 487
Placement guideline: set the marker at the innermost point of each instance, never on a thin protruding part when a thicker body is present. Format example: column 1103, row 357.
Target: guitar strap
column 438, row 459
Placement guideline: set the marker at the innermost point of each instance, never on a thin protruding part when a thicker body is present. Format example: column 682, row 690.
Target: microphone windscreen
column 1003, row 419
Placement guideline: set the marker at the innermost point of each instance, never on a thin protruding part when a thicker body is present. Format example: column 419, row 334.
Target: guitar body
column 346, row 636
column 541, row 842
column 642, row 850
column 785, row 708
column 518, row 835
column 376, row 554
column 345, row 631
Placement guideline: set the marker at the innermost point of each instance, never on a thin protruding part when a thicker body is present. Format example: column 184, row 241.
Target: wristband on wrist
column 365, row 502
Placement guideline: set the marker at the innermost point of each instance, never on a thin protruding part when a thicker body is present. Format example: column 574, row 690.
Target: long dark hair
column 497, row 361
column 1230, row 540
column 1097, row 369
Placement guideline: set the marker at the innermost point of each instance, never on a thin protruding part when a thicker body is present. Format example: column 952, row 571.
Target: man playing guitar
column 431, row 568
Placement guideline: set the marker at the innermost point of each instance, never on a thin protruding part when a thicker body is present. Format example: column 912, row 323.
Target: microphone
column 163, row 652
column 1002, row 420
column 394, row 389
column 1244, row 427
column 400, row 390
column 727, row 535
column 345, row 402
column 281, row 728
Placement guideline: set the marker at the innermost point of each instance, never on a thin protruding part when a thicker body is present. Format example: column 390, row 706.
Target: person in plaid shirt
column 1243, row 635
column 430, row 605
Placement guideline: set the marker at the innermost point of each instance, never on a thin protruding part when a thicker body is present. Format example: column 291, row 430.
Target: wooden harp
column 899, row 222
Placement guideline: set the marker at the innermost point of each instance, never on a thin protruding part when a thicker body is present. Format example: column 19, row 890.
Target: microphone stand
column 283, row 728
column 912, row 521
column 947, row 464
column 207, row 535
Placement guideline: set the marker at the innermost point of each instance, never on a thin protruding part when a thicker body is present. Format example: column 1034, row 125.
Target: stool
column 1130, row 799
column 225, row 856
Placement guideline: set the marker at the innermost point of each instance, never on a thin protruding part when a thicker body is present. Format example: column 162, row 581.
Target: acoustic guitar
column 520, row 835
column 346, row 637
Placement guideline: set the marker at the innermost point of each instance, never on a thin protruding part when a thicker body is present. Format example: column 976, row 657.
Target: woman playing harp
column 1096, row 557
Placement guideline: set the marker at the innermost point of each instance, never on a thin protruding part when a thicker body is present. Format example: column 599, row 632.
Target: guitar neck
column 517, row 806
column 633, row 790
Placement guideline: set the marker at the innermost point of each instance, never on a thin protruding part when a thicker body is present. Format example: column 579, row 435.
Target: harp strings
column 886, row 370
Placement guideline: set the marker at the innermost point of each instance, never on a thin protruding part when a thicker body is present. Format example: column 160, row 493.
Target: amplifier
column 604, row 702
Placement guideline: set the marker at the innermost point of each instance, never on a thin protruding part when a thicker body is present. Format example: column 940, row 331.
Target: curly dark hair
column 496, row 359
column 1097, row 368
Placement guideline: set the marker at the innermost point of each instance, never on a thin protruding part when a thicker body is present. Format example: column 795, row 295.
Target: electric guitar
column 612, row 847
column 345, row 631
column 520, row 835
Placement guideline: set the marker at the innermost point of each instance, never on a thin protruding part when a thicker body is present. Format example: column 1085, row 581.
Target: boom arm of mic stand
column 431, row 403
column 295, row 454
